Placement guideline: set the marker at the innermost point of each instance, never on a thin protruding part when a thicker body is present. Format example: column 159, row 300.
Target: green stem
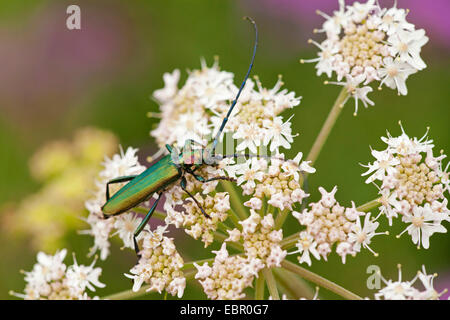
column 223, row 227
column 235, row 219
column 241, row 211
column 311, row 276
column 259, row 287
column 292, row 285
column 327, row 126
column 271, row 283
column 289, row 242
column 281, row 217
column 368, row 206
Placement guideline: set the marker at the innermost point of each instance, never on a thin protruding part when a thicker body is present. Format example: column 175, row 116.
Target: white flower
column 427, row 281
column 122, row 164
column 328, row 198
column 362, row 236
column 177, row 286
column 254, row 203
column 159, row 264
column 100, row 230
column 343, row 249
column 383, row 166
column 359, row 11
column 295, row 166
column 306, row 245
column 358, row 93
column 170, row 86
column 394, row 74
column 126, row 225
column 366, row 43
column 394, row 19
column 423, row 225
column 278, row 133
column 51, row 267
column 234, row 235
column 50, row 279
column 251, row 136
column 407, row 45
column 404, row 290
column 202, row 271
column 82, row 277
column 249, row 172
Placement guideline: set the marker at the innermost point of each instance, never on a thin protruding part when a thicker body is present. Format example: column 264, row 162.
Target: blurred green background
column 54, row 81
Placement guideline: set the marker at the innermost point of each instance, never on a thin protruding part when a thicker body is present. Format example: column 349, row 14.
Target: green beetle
column 169, row 170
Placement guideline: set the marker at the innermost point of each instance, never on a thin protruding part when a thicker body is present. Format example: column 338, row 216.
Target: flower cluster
column 404, row 290
column 194, row 222
column 228, row 276
column 159, row 264
column 51, row 279
column 197, row 109
column 123, row 164
column 413, row 183
column 367, row 43
column 328, row 223
column 278, row 182
column 260, row 239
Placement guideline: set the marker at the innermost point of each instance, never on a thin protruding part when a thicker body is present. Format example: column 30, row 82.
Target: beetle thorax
column 192, row 157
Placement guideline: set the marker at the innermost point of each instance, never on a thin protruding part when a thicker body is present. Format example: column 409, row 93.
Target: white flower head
column 366, row 43
column 51, row 279
column 412, row 185
column 406, row 290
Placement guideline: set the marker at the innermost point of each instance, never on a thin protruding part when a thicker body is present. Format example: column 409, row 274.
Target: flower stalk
column 328, row 125
column 271, row 283
column 259, row 286
column 327, row 284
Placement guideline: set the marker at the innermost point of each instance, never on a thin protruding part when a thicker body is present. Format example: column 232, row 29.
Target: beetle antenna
column 249, row 155
column 224, row 122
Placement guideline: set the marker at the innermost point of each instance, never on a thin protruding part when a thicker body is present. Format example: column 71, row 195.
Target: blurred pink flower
column 442, row 283
column 47, row 68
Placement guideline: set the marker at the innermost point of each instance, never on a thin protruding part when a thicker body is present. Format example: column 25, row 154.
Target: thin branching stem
column 259, row 286
column 292, row 285
column 234, row 219
column 369, row 206
column 327, row 126
column 281, row 217
column 241, row 211
column 271, row 283
column 321, row 281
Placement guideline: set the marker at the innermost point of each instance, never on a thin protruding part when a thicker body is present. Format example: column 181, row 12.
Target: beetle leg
column 144, row 223
column 183, row 186
column 117, row 180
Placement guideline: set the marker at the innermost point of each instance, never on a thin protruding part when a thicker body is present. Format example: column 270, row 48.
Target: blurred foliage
column 175, row 34
column 66, row 172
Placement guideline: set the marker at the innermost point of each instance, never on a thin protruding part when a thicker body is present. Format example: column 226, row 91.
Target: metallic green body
column 154, row 179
